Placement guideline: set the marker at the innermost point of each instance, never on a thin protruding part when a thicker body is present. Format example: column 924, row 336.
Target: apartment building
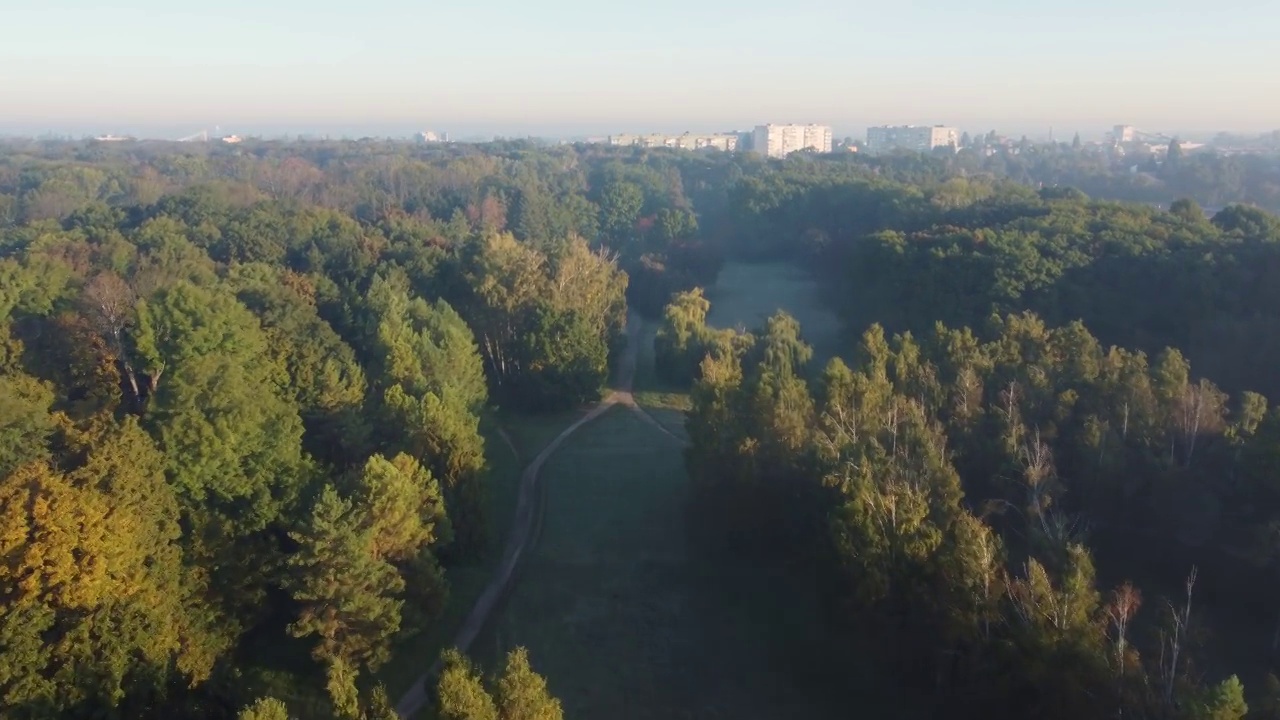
column 916, row 138
column 687, row 141
column 776, row 140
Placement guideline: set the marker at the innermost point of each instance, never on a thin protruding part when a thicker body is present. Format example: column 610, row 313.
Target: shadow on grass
column 627, row 622
column 528, row 434
column 649, row 390
column 747, row 294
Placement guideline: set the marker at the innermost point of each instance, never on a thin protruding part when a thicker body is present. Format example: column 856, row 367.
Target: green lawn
column 529, row 434
column 745, row 295
column 619, row 616
column 648, row 389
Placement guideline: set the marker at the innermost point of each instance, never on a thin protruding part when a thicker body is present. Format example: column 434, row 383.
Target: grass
column 528, row 433
column 648, row 389
column 745, row 295
column 623, row 620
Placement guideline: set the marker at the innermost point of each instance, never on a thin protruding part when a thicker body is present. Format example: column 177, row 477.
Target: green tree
column 1224, row 701
column 231, row 437
column 522, row 693
column 460, row 693
column 267, row 708
column 682, row 339
column 433, row 388
column 404, row 511
column 620, row 205
column 325, row 380
column 348, row 594
column 520, row 299
column 25, row 422
column 519, row 693
column 1187, row 209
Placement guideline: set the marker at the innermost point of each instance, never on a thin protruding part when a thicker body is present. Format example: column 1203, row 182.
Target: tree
column 324, row 378
column 522, row 693
column 232, row 440
column 403, row 508
column 460, row 693
column 25, row 422
column 267, row 708
column 620, row 205
column 520, row 299
column 431, row 378
column 681, row 340
column 503, row 279
column 1187, row 209
column 110, row 307
column 566, row 361
column 1173, row 159
column 379, row 706
column 1224, row 701
column 348, row 594
column 96, row 601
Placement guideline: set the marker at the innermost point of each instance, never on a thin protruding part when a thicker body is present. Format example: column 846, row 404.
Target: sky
column 571, row 67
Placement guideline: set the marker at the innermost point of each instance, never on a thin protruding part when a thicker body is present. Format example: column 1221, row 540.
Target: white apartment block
column 1124, row 134
column 778, row 141
column 915, row 138
column 687, row 141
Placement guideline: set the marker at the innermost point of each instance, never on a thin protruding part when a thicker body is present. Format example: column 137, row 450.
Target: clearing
column 746, row 294
column 618, row 614
column 527, row 434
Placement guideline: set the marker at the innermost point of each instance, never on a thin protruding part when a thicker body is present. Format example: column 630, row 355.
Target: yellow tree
column 92, row 581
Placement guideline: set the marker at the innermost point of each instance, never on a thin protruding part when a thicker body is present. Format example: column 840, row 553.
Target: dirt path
column 528, row 512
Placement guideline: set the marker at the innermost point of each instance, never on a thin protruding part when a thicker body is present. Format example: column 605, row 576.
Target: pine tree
column 402, row 507
column 522, row 693
column 348, row 594
column 460, row 694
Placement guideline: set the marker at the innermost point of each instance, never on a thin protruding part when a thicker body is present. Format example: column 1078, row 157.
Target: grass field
column 648, row 389
column 745, row 295
column 619, row 615
column 528, row 434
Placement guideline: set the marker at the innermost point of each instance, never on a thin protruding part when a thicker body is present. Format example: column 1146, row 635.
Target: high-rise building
column 777, row 141
column 1123, row 134
column 916, row 138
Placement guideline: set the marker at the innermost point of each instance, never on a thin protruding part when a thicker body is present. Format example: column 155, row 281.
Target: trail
column 528, row 514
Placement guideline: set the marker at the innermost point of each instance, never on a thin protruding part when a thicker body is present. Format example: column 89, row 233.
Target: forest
column 244, row 394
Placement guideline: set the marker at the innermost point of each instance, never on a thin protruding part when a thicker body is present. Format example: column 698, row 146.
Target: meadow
column 627, row 621
column 746, row 294
column 625, row 616
column 527, row 434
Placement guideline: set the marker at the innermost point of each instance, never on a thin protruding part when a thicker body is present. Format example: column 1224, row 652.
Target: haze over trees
column 241, row 396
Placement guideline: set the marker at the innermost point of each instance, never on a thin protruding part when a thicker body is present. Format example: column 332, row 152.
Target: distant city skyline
column 574, row 67
column 564, row 131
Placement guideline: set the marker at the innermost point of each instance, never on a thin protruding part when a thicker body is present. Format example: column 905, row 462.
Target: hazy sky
column 554, row 66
